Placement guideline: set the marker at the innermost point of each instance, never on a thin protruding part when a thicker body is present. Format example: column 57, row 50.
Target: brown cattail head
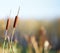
column 8, row 23
column 15, row 22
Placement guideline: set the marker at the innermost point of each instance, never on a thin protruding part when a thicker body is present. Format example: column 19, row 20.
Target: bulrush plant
column 7, row 27
column 10, row 39
column 14, row 26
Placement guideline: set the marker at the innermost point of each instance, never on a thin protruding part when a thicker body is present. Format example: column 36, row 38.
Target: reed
column 7, row 27
column 14, row 26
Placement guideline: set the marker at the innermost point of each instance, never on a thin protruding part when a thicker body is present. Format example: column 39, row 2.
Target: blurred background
column 32, row 16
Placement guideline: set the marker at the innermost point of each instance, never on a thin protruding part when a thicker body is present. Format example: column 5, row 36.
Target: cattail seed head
column 8, row 24
column 15, row 22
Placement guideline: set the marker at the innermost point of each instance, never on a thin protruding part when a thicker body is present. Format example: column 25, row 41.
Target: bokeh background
column 32, row 15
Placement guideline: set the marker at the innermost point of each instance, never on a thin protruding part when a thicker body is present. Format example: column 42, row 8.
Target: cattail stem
column 18, row 11
column 11, row 43
column 4, row 41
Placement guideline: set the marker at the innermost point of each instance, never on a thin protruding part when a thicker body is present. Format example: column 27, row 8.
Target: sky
column 30, row 9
